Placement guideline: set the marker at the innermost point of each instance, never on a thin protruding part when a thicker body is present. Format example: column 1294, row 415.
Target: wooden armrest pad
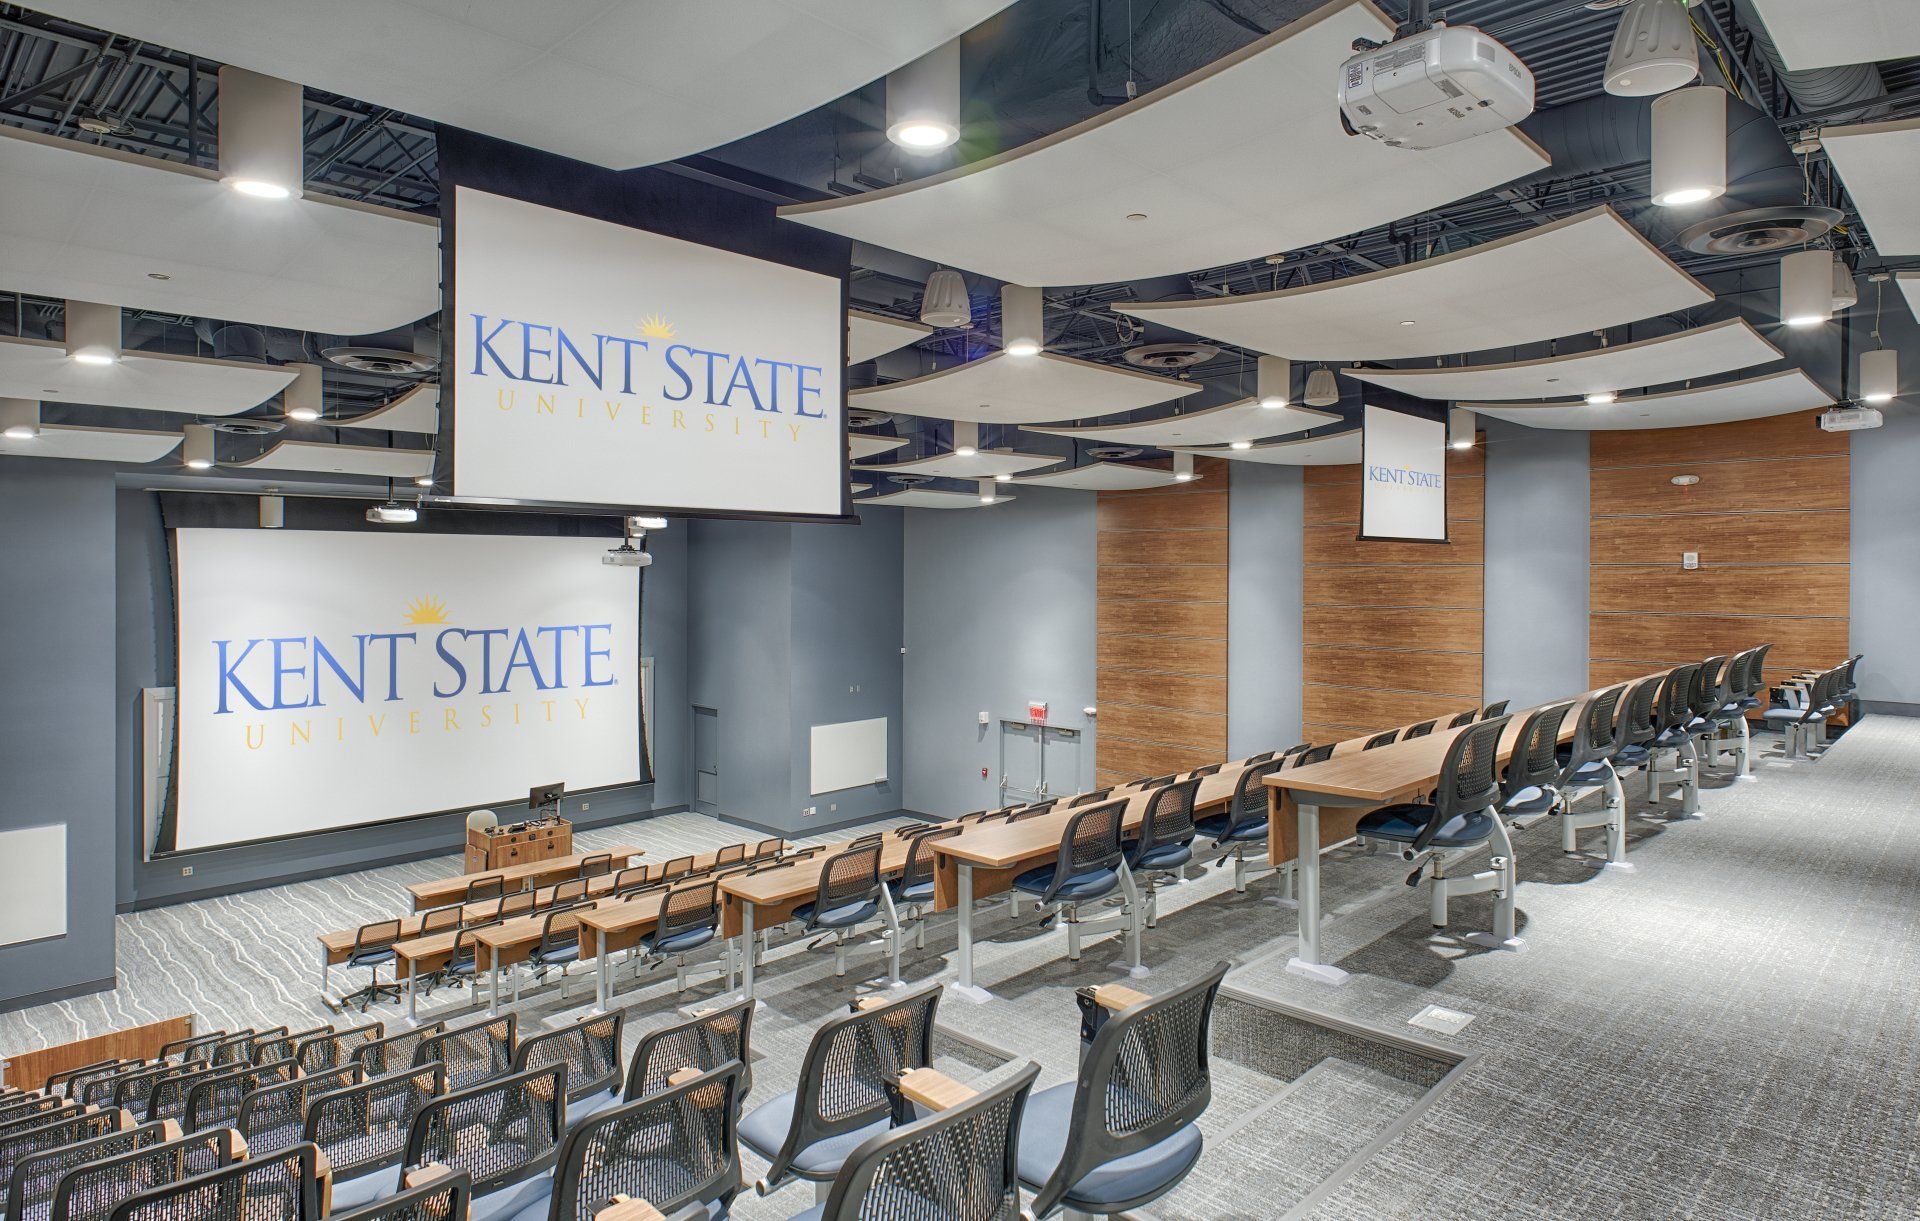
column 169, row 1128
column 236, row 1145
column 421, row 1176
column 680, row 1076
column 626, row 1208
column 1118, row 996
column 931, row 1088
column 869, row 1002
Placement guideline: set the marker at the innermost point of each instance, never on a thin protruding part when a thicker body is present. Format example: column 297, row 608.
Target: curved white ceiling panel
column 1244, row 420
column 98, row 444
column 1105, row 477
column 1880, row 165
column 1751, row 399
column 983, row 465
column 1577, row 274
column 320, row 457
column 618, row 84
column 149, row 381
column 1339, row 449
column 418, row 410
column 98, row 225
column 1235, row 161
column 933, row 498
column 871, row 335
column 1829, row 33
column 863, row 445
column 1701, row 352
column 1002, row 389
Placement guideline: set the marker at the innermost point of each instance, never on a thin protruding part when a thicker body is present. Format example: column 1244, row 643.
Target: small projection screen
column 598, row 364
column 1403, row 477
column 329, row 679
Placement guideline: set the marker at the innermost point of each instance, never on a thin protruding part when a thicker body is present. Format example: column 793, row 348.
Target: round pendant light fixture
column 1323, row 389
column 1022, row 320
column 1273, row 382
column 1806, row 287
column 1689, row 146
column 923, row 102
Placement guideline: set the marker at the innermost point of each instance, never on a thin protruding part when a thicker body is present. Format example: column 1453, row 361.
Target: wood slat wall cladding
column 1392, row 630
column 1769, row 518
column 1161, row 671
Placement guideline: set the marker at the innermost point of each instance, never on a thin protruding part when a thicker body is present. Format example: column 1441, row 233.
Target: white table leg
column 493, row 981
column 325, row 966
column 1136, row 921
column 893, row 938
column 603, row 983
column 965, row 986
column 746, row 935
column 1307, row 865
column 413, row 992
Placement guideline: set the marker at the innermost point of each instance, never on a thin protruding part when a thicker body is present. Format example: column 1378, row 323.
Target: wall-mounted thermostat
column 1689, row 560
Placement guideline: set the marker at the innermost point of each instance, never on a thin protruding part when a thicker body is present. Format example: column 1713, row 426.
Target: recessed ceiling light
column 423, row 481
column 158, row 275
column 1136, row 216
column 1241, row 445
column 1003, row 477
column 1406, row 322
column 303, row 414
column 1600, row 398
column 256, row 188
column 94, row 358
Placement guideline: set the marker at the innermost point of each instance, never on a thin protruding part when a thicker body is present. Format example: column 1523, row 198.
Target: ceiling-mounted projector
column 1434, row 87
column 626, row 555
column 1851, row 419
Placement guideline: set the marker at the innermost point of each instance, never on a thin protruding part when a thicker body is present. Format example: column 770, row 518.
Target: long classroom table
column 1353, row 782
column 438, row 892
column 983, row 860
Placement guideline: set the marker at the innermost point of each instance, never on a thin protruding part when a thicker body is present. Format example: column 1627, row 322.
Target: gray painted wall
column 56, row 722
column 739, row 609
column 999, row 609
column 1537, row 522
column 1264, row 628
column 1886, row 522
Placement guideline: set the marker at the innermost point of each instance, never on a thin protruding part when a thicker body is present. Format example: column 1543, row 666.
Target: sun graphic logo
column 653, row 326
column 426, row 610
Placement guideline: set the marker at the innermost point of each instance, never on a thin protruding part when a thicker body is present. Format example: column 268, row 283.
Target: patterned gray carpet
column 1725, row 1032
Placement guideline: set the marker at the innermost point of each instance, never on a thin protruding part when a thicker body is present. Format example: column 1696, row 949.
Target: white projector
column 1851, row 419
column 626, row 556
column 1440, row 86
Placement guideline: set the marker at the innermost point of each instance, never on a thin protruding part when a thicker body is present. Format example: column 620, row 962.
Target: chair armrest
column 627, row 1208
column 169, row 1128
column 420, row 1176
column 933, row 1089
column 1118, row 996
column 681, row 1075
column 323, row 1174
column 236, row 1145
column 127, row 1121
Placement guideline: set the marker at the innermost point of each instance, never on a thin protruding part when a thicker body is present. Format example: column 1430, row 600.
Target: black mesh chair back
column 1735, row 683
column 333, row 1050
column 1262, row 757
column 437, row 920
column 192, row 1048
column 1464, row 718
column 959, row 1162
column 21, row 1143
column 729, row 853
column 1493, row 710
column 28, row 1108
column 596, row 866
column 1145, row 1077
column 632, row 878
column 364, row 1127
column 1087, row 799
column 168, row 1098
column 560, row 928
column 1324, row 752
column 133, row 1091
column 238, row 1048
column 1639, row 713
column 523, row 902
column 689, row 906
column 590, row 1048
column 68, row 1084
column 1467, row 782
column 1756, row 671
column 919, row 866
column 275, row 1116
column 1090, row 841
column 34, row 1176
column 1382, row 739
column 1675, row 705
column 281, row 1047
column 1422, row 729
column 396, row 1051
column 1593, row 732
column 214, row 1102
column 1298, row 748
column 92, row 1190
column 282, row 1186
column 1710, row 684
column 1208, row 770
column 767, row 848
column 485, row 888
column 1249, row 804
column 1168, row 818
column 500, row 1133
column 678, row 867
column 477, row 1052
column 565, row 893
column 703, row 1043
column 852, row 876
column 1022, row 815
column 1535, row 762
column 675, row 1149
column 849, row 1064
column 443, row 1198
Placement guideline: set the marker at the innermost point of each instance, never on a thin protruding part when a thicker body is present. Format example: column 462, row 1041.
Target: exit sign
column 1037, row 711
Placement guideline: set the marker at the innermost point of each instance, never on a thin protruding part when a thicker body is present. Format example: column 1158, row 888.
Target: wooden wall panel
column 1392, row 630
column 1161, row 661
column 30, row 1069
column 1770, row 521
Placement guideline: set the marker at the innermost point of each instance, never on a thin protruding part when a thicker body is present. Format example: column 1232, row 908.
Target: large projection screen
column 332, row 679
column 1403, row 477
column 598, row 364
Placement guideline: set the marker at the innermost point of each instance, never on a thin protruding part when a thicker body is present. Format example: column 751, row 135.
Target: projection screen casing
column 1403, row 477
column 333, row 679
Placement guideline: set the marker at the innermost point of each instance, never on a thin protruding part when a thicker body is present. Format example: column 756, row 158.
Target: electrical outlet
column 584, row 807
column 807, row 813
column 833, row 807
column 186, row 871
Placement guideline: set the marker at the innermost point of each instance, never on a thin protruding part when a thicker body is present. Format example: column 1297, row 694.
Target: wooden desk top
column 1001, row 845
column 625, row 915
column 771, row 887
column 439, row 891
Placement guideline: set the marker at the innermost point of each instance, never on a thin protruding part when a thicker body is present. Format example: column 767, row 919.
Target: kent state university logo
column 651, row 379
column 486, row 678
column 1402, row 476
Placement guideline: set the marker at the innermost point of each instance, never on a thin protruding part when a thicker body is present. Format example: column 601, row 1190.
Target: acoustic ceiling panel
column 933, row 498
column 983, row 465
column 194, row 385
column 94, row 224
column 418, row 410
column 1340, row 449
column 1909, row 284
column 862, row 445
column 1241, row 158
column 1751, row 399
column 1685, row 355
column 1577, row 274
column 871, row 335
column 98, row 444
column 1879, row 163
column 617, row 84
column 1104, row 477
column 1833, row 32
column 1002, row 389
column 322, row 458
column 1244, row 420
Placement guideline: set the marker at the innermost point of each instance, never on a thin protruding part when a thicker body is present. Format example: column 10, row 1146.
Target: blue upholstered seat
column 1404, row 823
column 526, row 1201
column 372, row 957
column 1077, row 889
column 568, row 951
column 1217, row 827
column 1631, row 756
column 580, row 1111
column 1790, row 714
column 916, row 892
column 1161, row 856
column 1138, row 1176
column 1528, row 801
column 366, row 1188
column 845, row 916
column 764, row 1130
column 678, row 943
